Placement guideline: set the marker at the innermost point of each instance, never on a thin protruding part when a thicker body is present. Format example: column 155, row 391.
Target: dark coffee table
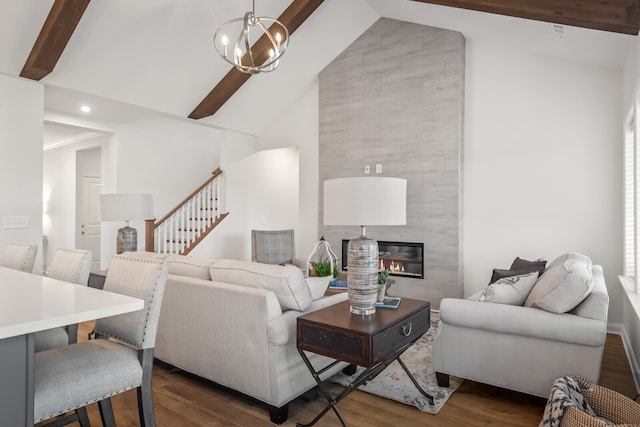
column 372, row 342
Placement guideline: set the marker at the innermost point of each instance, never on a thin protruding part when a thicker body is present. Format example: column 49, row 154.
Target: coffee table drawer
column 409, row 330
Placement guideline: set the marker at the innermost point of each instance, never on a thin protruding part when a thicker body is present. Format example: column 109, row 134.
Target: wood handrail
column 214, row 175
column 171, row 228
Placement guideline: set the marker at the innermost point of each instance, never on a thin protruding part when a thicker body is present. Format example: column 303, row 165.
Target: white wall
column 166, row 157
column 59, row 193
column 301, row 131
column 542, row 163
column 21, row 122
column 261, row 192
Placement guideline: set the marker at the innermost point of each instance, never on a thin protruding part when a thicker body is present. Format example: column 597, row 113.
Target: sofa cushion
column 182, row 265
column 285, row 281
column 570, row 255
column 562, row 288
column 510, row 290
column 318, row 286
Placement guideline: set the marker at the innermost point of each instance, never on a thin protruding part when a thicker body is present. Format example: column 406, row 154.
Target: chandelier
column 269, row 43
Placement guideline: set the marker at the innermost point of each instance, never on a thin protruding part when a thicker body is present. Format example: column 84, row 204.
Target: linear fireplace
column 400, row 258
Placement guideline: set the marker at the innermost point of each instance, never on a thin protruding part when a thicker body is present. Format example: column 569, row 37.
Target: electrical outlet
column 366, row 169
column 378, row 168
column 16, row 222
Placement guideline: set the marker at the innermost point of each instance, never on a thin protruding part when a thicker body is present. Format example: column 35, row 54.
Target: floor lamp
column 126, row 207
column 364, row 201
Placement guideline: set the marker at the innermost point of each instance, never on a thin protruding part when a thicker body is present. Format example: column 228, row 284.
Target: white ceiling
column 130, row 59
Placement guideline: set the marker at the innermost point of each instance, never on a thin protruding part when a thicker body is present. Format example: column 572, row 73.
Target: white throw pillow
column 318, row 286
column 286, row 282
column 510, row 290
column 571, row 255
column 561, row 288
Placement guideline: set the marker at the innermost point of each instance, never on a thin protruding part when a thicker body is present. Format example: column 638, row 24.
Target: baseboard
column 618, row 329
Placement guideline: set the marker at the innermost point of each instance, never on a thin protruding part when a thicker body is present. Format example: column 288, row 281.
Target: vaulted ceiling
column 159, row 55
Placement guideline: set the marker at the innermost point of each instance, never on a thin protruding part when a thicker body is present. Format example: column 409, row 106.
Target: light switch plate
column 16, row 222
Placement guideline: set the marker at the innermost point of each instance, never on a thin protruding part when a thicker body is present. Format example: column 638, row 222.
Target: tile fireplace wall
column 395, row 97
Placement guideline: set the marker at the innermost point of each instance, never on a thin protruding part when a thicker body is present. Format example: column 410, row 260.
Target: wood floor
column 185, row 400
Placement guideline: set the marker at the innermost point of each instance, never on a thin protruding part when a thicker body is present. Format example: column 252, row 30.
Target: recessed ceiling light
column 85, row 108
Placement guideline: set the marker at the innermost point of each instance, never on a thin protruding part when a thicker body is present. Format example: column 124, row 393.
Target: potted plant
column 383, row 275
column 322, row 268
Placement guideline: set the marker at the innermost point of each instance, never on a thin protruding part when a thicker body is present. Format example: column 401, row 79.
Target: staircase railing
column 179, row 231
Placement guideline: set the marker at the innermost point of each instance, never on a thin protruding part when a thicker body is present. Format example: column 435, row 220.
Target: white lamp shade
column 365, row 201
column 126, row 207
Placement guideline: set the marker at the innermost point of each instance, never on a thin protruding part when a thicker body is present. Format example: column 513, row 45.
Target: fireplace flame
column 393, row 266
column 396, row 267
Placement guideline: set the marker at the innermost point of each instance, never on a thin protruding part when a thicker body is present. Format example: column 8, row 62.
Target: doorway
column 88, row 189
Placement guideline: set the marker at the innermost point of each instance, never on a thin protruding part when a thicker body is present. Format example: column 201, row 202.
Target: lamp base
column 127, row 240
column 362, row 276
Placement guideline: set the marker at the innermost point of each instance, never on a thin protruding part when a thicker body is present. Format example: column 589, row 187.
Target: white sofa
column 239, row 329
column 522, row 348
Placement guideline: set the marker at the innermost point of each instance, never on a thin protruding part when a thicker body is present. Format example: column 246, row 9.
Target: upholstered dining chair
column 274, row 247
column 70, row 265
column 19, row 256
column 70, row 377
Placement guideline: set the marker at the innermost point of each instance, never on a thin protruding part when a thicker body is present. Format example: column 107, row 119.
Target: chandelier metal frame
column 243, row 54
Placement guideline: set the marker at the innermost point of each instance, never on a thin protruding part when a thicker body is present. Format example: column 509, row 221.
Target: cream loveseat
column 527, row 347
column 234, row 323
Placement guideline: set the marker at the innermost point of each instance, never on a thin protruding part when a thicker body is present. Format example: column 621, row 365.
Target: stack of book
column 338, row 284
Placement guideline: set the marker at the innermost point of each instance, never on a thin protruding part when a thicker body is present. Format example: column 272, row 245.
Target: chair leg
column 145, row 392
column 83, row 418
column 72, row 332
column 145, row 407
column 106, row 413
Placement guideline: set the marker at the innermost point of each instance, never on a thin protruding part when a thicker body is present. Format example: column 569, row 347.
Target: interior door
column 88, row 236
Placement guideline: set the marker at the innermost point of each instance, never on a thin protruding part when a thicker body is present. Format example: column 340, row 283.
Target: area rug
column 393, row 383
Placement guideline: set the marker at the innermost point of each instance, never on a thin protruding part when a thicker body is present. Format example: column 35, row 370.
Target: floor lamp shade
column 126, row 207
column 364, row 201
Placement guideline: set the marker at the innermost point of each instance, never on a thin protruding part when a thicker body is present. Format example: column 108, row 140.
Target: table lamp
column 364, row 201
column 126, row 207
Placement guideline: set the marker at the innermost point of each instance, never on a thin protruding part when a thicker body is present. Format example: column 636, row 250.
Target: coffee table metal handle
column 406, row 329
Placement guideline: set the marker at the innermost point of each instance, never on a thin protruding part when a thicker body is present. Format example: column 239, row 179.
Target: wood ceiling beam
column 295, row 14
column 619, row 16
column 60, row 24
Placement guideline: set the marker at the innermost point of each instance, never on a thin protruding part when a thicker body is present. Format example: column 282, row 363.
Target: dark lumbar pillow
column 521, row 264
column 518, row 267
column 498, row 274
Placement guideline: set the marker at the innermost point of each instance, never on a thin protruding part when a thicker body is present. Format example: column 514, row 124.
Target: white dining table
column 30, row 303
